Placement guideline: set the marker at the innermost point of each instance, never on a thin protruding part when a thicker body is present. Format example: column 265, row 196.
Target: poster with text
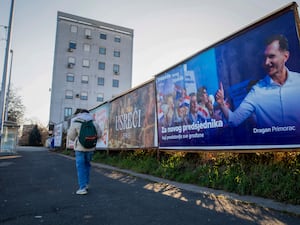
column 132, row 122
column 58, row 133
column 100, row 115
column 240, row 93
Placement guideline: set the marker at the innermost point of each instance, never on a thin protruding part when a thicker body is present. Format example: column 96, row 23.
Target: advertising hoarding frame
column 138, row 106
column 276, row 14
column 101, row 116
column 58, row 135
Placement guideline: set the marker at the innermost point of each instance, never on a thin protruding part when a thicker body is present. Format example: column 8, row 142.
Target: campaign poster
column 70, row 143
column 241, row 93
column 58, row 132
column 100, row 115
column 132, row 121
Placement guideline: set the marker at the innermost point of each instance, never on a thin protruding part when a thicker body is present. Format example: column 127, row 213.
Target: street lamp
column 5, row 68
column 8, row 86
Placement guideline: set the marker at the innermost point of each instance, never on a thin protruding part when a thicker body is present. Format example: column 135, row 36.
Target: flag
column 185, row 101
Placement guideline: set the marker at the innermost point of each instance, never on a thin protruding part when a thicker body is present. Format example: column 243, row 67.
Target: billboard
column 101, row 115
column 239, row 93
column 132, row 121
column 58, row 133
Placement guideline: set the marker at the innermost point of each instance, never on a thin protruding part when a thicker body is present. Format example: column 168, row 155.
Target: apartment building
column 92, row 64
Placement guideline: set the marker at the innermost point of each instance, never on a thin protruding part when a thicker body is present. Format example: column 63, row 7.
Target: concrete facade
column 92, row 64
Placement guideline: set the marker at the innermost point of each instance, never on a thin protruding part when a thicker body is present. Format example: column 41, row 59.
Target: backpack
column 88, row 134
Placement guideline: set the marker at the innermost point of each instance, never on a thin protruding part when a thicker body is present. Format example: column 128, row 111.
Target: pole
column 5, row 69
column 8, row 86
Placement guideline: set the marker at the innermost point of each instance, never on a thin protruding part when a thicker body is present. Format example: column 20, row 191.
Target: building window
column 115, row 83
column 70, row 77
column 72, row 46
column 73, row 28
column 85, row 79
column 88, row 33
column 86, row 63
column 84, row 95
column 100, row 97
column 103, row 36
column 101, row 81
column 116, row 69
column 118, row 39
column 71, row 62
column 102, row 51
column 101, row 65
column 117, row 53
column 67, row 112
column 69, row 94
column 86, row 47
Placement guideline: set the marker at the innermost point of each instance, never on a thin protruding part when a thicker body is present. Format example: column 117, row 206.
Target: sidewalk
column 212, row 193
column 38, row 186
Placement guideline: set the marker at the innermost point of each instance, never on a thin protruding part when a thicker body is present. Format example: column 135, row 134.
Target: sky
column 166, row 32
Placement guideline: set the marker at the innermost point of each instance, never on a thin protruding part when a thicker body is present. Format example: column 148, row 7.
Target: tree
column 35, row 138
column 15, row 107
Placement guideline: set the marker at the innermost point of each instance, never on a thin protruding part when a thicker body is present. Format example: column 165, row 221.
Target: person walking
column 83, row 155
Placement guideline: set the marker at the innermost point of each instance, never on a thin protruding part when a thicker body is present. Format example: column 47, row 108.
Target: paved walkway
column 262, row 202
column 38, row 187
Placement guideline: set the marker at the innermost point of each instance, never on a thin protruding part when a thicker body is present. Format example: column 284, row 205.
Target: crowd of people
column 180, row 108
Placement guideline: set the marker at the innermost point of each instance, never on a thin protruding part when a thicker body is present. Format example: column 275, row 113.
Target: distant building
column 92, row 64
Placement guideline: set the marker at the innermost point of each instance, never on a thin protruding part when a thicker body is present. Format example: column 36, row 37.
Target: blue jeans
column 83, row 166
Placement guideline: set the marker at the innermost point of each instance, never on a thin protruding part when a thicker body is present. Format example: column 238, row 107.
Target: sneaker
column 87, row 187
column 81, row 191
